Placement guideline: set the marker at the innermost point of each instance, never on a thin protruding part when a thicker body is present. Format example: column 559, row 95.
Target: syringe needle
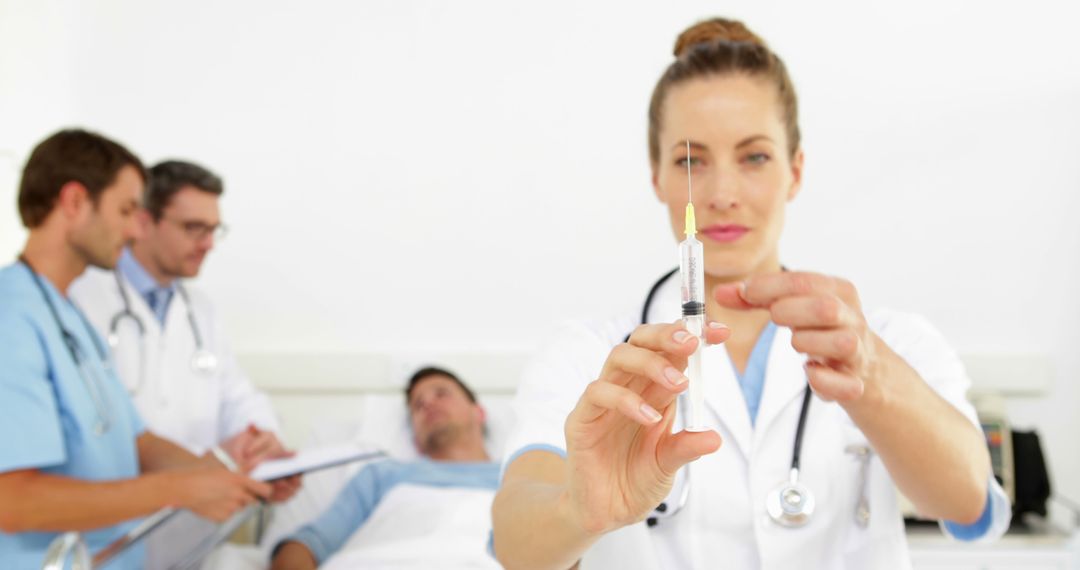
column 689, row 183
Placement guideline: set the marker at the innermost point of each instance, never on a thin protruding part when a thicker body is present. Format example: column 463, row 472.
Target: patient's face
column 441, row 414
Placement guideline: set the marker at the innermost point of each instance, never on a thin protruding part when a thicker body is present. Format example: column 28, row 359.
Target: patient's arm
column 325, row 535
column 293, row 555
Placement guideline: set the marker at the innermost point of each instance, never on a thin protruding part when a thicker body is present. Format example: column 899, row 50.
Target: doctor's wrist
column 876, row 383
column 585, row 528
column 577, row 533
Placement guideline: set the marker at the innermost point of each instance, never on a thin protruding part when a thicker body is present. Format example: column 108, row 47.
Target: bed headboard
column 306, row 387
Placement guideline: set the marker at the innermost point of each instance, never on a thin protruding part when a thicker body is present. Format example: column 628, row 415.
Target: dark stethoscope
column 790, row 504
column 202, row 360
column 95, row 385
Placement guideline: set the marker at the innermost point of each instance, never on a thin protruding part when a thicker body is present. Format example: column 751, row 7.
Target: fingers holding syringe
column 670, row 338
column 686, row 446
column 602, row 398
column 628, row 362
column 716, row 333
column 674, row 339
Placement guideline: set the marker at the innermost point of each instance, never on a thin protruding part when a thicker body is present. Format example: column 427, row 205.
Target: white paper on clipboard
column 313, row 460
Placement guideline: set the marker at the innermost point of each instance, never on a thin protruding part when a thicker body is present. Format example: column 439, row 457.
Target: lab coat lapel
column 141, row 308
column 176, row 321
column 725, row 398
column 785, row 380
column 722, row 393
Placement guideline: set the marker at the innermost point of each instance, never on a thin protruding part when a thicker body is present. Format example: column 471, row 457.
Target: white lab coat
column 725, row 524
column 192, row 409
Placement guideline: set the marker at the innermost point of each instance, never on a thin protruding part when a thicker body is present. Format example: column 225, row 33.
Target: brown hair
column 169, row 177
column 428, row 371
column 71, row 155
column 720, row 47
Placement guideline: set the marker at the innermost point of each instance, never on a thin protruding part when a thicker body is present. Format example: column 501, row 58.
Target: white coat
column 724, row 523
column 193, row 409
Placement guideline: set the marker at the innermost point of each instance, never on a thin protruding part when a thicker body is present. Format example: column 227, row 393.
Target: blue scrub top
column 47, row 415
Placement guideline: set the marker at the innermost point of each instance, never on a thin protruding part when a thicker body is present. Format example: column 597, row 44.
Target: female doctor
column 604, row 471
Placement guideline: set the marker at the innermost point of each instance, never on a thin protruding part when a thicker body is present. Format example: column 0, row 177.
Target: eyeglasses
column 198, row 231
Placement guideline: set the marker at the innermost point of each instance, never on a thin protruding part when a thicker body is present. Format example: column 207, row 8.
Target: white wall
column 35, row 95
column 421, row 174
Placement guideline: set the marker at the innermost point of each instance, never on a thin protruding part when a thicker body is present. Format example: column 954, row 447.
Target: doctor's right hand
column 216, row 493
column 621, row 455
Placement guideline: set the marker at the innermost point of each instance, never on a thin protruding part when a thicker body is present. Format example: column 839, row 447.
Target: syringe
column 692, row 271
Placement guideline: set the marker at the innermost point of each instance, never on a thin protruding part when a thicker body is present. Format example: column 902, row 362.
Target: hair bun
column 714, row 30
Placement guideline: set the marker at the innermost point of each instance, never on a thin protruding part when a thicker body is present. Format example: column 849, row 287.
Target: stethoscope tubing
column 201, row 360
column 95, row 386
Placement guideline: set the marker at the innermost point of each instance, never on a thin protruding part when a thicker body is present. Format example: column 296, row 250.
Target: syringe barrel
column 692, row 271
column 695, row 393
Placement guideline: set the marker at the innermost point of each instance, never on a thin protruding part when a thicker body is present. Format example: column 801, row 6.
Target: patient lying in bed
column 433, row 512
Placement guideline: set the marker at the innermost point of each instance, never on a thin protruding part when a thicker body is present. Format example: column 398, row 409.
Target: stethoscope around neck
column 91, row 379
column 790, row 504
column 202, row 360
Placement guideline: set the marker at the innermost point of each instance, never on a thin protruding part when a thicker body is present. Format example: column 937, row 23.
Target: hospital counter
column 1038, row 545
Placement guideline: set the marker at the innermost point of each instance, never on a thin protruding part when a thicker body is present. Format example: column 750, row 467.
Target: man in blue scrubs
column 433, row 513
column 76, row 456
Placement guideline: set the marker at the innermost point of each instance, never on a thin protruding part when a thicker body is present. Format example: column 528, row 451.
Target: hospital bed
column 356, row 398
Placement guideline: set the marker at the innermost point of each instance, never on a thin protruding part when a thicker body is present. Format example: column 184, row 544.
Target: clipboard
column 313, row 460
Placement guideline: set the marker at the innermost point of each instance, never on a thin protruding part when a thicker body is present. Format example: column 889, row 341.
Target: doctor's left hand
column 827, row 324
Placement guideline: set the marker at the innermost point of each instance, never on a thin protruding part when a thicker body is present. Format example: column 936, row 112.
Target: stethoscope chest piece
column 204, row 362
column 791, row 504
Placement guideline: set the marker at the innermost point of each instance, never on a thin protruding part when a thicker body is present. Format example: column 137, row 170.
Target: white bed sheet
column 382, row 422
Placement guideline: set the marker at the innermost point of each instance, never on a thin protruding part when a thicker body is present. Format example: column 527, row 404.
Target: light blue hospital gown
column 47, row 416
